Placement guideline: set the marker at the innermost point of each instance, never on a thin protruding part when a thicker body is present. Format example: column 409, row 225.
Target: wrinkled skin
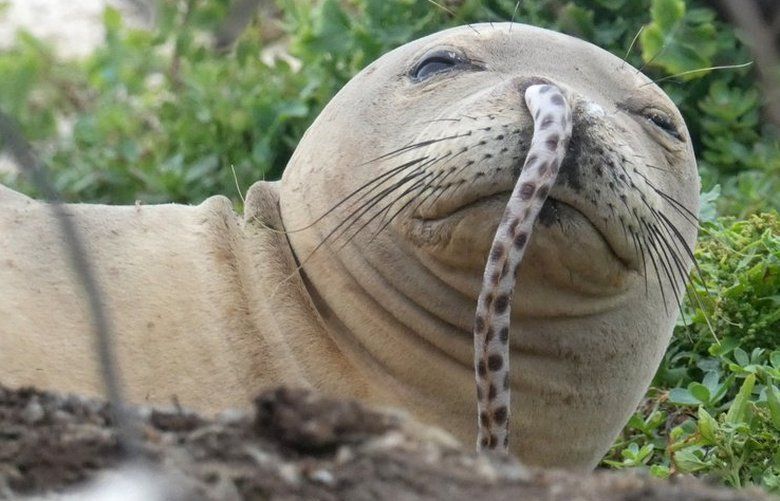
column 209, row 307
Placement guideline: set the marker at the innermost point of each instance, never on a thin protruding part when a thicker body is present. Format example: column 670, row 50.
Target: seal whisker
column 441, row 191
column 662, row 260
column 671, row 244
column 435, row 120
column 623, row 227
column 664, row 246
column 452, row 13
column 441, row 176
column 672, row 256
column 452, row 171
column 353, row 216
column 426, row 161
column 377, row 181
column 691, row 291
column 401, row 209
column 673, row 240
column 656, row 215
column 657, row 272
column 427, row 185
column 656, row 167
column 660, row 51
column 420, row 144
column 349, row 220
column 387, row 208
column 679, row 207
column 387, row 192
column 514, row 14
column 665, row 253
column 641, row 252
column 368, row 205
column 633, row 42
column 686, row 247
column 700, row 70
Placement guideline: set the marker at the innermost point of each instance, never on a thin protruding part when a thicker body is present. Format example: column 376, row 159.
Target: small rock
column 324, row 477
column 33, row 413
column 290, row 472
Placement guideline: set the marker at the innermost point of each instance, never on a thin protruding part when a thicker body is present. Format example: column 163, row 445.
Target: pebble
column 33, row 413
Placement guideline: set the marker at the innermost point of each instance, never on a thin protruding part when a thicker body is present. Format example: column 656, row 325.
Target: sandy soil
column 295, row 445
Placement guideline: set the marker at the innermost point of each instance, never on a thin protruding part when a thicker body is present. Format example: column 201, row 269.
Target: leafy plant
column 715, row 404
column 739, row 281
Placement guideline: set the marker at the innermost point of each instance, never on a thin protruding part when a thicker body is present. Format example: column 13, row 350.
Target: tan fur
column 207, row 305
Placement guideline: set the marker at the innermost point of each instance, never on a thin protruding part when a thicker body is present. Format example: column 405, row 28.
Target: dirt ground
column 296, row 445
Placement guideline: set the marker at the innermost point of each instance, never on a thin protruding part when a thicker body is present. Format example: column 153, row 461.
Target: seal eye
column 663, row 122
column 435, row 63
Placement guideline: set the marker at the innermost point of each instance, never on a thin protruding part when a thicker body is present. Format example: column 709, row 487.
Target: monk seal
column 358, row 272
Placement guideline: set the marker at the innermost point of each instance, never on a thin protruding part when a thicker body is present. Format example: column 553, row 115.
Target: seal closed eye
column 436, row 62
column 662, row 120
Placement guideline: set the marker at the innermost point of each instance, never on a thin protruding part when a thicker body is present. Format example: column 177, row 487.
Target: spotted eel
column 552, row 130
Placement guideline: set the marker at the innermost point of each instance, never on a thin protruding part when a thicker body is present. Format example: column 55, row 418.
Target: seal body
column 188, row 292
column 358, row 273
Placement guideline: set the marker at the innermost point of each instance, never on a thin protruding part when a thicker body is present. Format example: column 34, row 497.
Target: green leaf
column 577, row 20
column 741, row 357
column 636, row 422
column 708, row 212
column 699, row 392
column 736, row 412
column 666, row 13
column 707, row 426
column 682, row 396
column 728, row 344
column 689, row 460
column 711, row 380
column 722, row 389
column 112, row 19
column 645, row 453
column 774, row 357
column 773, row 401
column 678, row 42
column 700, row 16
column 660, row 471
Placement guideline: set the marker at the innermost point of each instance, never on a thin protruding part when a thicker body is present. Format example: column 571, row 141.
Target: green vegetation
column 714, row 407
column 163, row 117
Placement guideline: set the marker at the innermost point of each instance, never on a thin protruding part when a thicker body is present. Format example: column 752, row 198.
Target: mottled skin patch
column 491, row 354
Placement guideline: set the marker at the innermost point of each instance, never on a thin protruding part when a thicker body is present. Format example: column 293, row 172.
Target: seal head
column 394, row 194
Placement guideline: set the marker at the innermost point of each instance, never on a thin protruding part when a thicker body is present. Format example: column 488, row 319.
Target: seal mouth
column 555, row 209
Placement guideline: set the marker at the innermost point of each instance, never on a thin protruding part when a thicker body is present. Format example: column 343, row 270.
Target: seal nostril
column 523, row 83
